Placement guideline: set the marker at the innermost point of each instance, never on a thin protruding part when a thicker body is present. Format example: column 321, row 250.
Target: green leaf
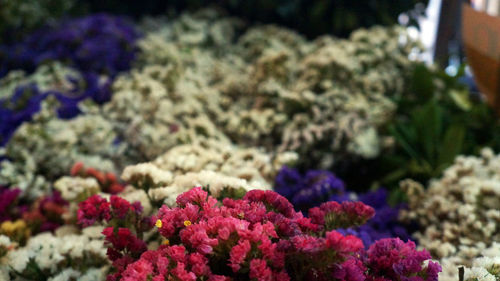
column 452, row 144
column 429, row 123
column 402, row 140
column 423, row 83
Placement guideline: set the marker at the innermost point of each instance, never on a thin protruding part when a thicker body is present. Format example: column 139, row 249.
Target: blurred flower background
column 143, row 140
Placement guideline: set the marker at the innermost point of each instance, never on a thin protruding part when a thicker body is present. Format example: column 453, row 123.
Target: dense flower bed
column 150, row 151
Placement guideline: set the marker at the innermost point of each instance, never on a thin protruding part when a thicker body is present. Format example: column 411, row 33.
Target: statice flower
column 98, row 46
column 340, row 215
column 316, row 186
column 8, row 198
column 384, row 224
column 93, row 44
column 259, row 237
column 20, row 219
column 20, row 107
column 108, row 182
column 396, row 260
column 49, row 256
column 310, row 189
column 125, row 228
column 46, row 213
column 483, row 269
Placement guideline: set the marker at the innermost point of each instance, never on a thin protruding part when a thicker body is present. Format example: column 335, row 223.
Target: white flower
column 132, row 195
column 145, row 172
column 19, row 259
column 66, row 275
column 72, row 187
column 478, row 274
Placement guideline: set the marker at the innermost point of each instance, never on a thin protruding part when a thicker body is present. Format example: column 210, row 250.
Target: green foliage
column 437, row 120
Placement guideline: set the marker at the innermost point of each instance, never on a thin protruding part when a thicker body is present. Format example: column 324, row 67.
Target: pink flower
column 137, row 271
column 93, row 209
column 260, row 271
column 120, row 206
column 180, row 272
column 196, row 236
column 343, row 244
column 281, row 276
column 177, row 253
column 124, row 239
column 196, row 196
column 275, row 201
column 214, row 277
column 238, row 254
column 308, row 244
column 199, row 264
column 333, row 215
column 396, row 260
column 351, row 270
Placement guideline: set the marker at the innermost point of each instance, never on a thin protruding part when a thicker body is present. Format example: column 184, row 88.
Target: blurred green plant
column 436, row 121
column 312, row 18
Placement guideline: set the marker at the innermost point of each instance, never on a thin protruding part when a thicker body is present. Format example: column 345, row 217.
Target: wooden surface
column 481, row 36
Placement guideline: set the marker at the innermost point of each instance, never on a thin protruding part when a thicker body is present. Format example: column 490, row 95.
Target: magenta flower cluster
column 260, row 237
column 44, row 214
column 125, row 228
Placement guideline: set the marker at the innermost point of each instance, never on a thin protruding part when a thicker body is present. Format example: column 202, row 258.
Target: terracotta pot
column 481, row 36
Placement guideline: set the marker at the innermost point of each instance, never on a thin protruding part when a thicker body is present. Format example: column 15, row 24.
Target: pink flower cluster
column 96, row 208
column 341, row 215
column 124, row 248
column 260, row 237
column 392, row 259
column 125, row 230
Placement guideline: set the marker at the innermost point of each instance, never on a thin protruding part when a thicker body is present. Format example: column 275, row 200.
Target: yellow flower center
column 166, row 242
column 159, row 223
column 187, row 223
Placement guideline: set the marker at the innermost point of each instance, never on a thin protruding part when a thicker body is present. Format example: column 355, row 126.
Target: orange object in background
column 481, row 36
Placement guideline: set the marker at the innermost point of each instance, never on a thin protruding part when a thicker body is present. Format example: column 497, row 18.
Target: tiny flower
column 159, row 223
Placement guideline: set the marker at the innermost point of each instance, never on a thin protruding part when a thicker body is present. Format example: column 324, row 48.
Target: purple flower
column 384, row 224
column 396, row 260
column 19, row 108
column 316, row 187
column 97, row 43
column 8, row 197
column 98, row 46
column 309, row 190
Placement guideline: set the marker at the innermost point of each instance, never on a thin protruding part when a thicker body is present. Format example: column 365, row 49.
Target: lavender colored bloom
column 309, row 190
column 97, row 43
column 99, row 46
column 385, row 222
column 19, row 108
column 316, row 187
